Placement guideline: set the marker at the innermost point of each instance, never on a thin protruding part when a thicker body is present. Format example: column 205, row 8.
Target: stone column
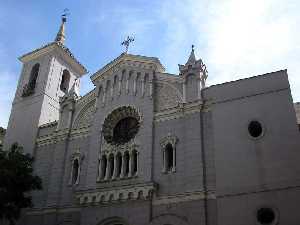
column 112, row 90
column 104, row 96
column 164, row 159
column 143, row 87
column 137, row 163
column 59, row 120
column 115, row 167
column 128, row 75
column 184, row 90
column 150, row 88
column 130, row 165
column 199, row 89
column 99, row 169
column 135, row 83
column 107, row 171
column 70, row 117
column 120, row 85
column 174, row 159
column 122, row 166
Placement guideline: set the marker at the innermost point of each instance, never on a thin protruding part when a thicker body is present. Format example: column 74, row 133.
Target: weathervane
column 65, row 14
column 127, row 42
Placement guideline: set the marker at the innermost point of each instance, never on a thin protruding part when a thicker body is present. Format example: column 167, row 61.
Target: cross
column 127, row 42
column 64, row 16
column 193, row 47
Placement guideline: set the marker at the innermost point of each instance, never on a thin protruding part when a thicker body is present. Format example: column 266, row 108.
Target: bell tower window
column 65, row 80
column 30, row 86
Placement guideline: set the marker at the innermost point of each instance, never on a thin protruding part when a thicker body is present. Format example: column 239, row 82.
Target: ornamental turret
column 195, row 71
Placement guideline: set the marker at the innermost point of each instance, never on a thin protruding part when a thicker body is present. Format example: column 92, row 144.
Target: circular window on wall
column 266, row 216
column 121, row 125
column 125, row 130
column 255, row 129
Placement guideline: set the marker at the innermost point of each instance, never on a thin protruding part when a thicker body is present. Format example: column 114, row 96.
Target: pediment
column 126, row 61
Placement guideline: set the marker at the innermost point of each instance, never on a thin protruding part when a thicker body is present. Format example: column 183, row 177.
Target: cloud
column 236, row 39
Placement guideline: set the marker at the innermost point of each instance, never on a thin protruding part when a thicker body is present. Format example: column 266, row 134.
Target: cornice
column 180, row 111
column 117, row 194
column 50, row 47
column 142, row 62
column 61, row 135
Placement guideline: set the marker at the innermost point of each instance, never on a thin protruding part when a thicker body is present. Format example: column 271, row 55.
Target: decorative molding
column 115, row 116
column 109, row 148
column 127, row 60
column 181, row 111
column 77, row 155
column 170, row 139
column 85, row 116
column 120, row 194
column 166, row 96
column 183, row 197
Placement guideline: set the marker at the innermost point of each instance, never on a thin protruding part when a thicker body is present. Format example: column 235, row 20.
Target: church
column 146, row 147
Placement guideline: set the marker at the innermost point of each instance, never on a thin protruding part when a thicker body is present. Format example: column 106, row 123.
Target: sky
column 235, row 38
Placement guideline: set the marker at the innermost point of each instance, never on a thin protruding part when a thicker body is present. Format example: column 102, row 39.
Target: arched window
column 65, row 80
column 126, row 164
column 75, row 171
column 119, row 165
column 168, row 147
column 134, row 162
column 103, row 166
column 169, row 157
column 111, row 166
column 30, row 86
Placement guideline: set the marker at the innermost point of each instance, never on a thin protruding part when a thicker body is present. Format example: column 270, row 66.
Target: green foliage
column 16, row 180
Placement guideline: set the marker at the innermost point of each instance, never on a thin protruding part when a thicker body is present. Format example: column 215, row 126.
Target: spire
column 60, row 37
column 192, row 58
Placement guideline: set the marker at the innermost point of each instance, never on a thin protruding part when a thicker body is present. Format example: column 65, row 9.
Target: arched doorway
column 113, row 221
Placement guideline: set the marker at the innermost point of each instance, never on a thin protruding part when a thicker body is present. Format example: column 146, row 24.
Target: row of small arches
column 117, row 196
column 118, row 165
column 130, row 82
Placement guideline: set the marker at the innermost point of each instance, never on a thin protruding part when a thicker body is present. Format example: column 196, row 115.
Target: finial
column 192, row 58
column 127, row 42
column 60, row 37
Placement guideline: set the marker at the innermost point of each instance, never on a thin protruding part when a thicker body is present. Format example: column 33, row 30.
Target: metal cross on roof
column 65, row 14
column 127, row 42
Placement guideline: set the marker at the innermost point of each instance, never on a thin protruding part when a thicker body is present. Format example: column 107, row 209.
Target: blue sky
column 235, row 38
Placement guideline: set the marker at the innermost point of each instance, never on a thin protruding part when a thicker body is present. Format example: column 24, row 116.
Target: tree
column 16, row 180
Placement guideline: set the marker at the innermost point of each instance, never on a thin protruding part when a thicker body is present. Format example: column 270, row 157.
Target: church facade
column 151, row 148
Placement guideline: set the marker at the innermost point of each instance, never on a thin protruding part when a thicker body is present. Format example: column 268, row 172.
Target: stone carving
column 85, row 116
column 115, row 116
column 76, row 156
column 169, row 153
column 169, row 139
column 115, row 195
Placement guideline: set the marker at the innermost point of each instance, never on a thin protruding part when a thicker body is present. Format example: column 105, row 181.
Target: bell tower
column 48, row 73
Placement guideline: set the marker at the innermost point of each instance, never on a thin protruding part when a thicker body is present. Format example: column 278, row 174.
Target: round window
column 255, row 129
column 265, row 216
column 121, row 125
column 125, row 130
